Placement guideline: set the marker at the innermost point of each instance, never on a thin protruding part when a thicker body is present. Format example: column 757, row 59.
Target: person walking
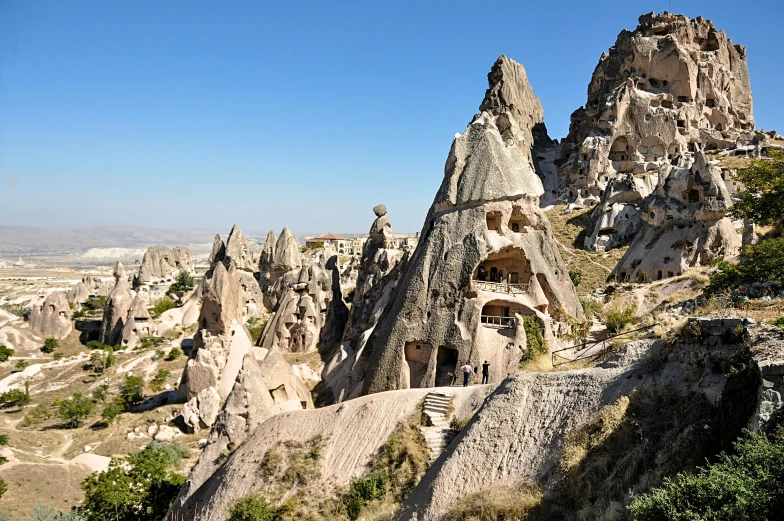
column 485, row 372
column 467, row 370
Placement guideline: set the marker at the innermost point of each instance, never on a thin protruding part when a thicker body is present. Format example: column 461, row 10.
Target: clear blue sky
column 307, row 114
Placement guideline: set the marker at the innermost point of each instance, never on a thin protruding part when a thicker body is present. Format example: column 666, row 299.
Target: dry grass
column 570, row 231
column 595, row 433
column 312, row 359
column 734, row 162
column 502, row 501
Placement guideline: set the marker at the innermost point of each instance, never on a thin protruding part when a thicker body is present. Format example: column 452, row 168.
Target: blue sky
column 193, row 114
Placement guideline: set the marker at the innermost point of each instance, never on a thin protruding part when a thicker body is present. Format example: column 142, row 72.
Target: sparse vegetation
column 74, row 410
column 534, row 339
column 159, row 380
column 15, row 397
column 174, row 354
column 101, row 360
column 591, row 308
column 577, row 276
column 5, row 353
column 255, row 327
column 163, row 305
column 512, row 501
column 619, row 316
column 50, row 344
column 253, row 507
column 763, row 193
column 21, row 365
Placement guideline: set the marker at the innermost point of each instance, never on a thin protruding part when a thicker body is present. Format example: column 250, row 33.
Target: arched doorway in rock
column 417, row 356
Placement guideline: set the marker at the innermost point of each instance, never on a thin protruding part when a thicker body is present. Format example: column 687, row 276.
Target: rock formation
column 264, row 387
column 118, row 304
column 238, row 256
column 51, row 316
column 161, row 265
column 485, row 258
column 665, row 92
column 138, row 324
column 266, row 259
column 376, row 277
column 79, row 293
column 683, row 223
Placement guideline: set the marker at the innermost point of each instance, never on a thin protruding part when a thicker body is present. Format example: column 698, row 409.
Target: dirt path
column 587, row 255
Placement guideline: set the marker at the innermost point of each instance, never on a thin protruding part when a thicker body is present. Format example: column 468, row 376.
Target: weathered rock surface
column 485, row 258
column 118, row 304
column 351, row 435
column 265, row 386
column 138, row 324
column 51, row 316
column 161, row 265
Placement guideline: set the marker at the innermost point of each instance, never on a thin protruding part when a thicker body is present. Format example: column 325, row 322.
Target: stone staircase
column 437, row 433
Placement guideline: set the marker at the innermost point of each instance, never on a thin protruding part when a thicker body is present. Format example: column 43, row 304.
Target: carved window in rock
column 517, row 221
column 620, row 150
column 693, row 195
column 500, row 314
column 279, row 394
column 494, row 221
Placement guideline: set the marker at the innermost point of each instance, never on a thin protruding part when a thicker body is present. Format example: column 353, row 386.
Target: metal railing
column 502, row 287
column 497, row 321
column 588, row 351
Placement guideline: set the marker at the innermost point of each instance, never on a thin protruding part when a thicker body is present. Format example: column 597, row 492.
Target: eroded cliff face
column 485, row 259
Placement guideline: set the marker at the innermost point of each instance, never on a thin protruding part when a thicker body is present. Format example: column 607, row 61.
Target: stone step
column 437, row 399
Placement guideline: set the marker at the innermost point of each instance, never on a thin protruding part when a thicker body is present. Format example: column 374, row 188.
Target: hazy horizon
column 185, row 115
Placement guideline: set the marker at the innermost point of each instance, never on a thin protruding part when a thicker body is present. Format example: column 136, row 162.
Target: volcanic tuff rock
column 138, row 324
column 265, row 386
column 283, row 263
column 683, row 223
column 485, row 259
column 161, row 264
column 378, row 273
column 266, row 259
column 117, row 306
column 51, row 316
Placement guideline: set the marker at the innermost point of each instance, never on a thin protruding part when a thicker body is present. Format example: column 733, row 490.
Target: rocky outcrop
column 237, row 252
column 51, row 316
column 265, row 386
column 237, row 255
column 79, row 293
column 485, row 258
column 266, row 260
column 161, row 265
column 665, row 93
column 118, row 304
column 351, row 435
column 283, row 263
column 377, row 275
column 683, row 223
column 138, row 324
column 310, row 312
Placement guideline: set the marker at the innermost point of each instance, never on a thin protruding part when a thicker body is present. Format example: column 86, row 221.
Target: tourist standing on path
column 467, row 370
column 485, row 372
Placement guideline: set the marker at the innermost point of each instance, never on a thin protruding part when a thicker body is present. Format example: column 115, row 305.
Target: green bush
column 255, row 327
column 58, row 356
column 779, row 322
column 744, row 485
column 15, row 397
column 164, row 305
column 110, row 412
column 131, row 390
column 3, row 439
column 759, row 263
column 50, row 344
column 137, row 487
column 95, row 303
column 619, row 316
column 253, row 507
column 21, row 365
column 576, row 276
column 159, row 380
column 5, row 353
column 363, row 490
column 79, row 313
column 184, row 282
column 75, row 410
column 174, row 354
column 40, row 413
column 3, row 487
column 534, row 339
column 763, row 190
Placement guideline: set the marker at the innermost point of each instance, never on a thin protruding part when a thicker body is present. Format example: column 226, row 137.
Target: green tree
column 137, row 487
column 5, row 353
column 3, row 487
column 21, row 365
column 759, row 263
column 75, row 410
column 99, row 393
column 3, row 439
column 131, row 390
column 16, row 397
column 184, row 282
column 50, row 344
column 576, row 276
column 743, row 485
column 762, row 199
column 163, row 305
column 111, row 411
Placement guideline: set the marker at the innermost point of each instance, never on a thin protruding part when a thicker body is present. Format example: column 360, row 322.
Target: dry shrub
column 507, row 501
